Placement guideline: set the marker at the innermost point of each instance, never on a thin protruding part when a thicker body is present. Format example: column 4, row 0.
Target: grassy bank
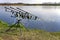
column 26, row 34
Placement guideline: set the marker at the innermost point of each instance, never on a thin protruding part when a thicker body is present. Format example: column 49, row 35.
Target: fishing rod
column 25, row 12
column 22, row 14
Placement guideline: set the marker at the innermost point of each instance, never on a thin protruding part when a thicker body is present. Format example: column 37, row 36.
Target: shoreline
column 29, row 4
column 26, row 34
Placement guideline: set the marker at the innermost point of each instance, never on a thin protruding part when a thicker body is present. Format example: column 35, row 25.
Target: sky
column 28, row 1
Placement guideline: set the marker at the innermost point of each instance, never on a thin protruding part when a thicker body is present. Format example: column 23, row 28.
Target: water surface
column 49, row 17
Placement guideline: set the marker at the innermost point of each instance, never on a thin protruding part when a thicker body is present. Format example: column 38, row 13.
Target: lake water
column 49, row 17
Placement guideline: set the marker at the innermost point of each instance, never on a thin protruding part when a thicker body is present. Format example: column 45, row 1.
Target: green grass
column 26, row 34
column 3, row 26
